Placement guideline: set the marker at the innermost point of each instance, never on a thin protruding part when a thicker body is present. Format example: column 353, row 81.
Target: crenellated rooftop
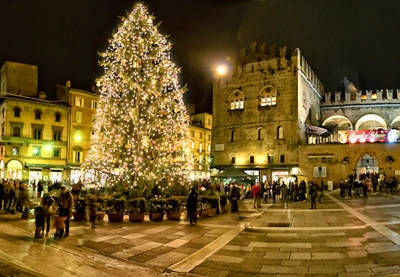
column 343, row 98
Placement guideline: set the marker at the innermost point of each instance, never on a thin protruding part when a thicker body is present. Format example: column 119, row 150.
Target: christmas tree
column 140, row 133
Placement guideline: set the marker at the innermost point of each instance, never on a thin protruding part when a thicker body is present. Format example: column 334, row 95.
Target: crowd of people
column 59, row 202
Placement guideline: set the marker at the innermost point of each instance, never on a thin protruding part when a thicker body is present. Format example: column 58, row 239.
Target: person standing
column 313, row 192
column 234, row 196
column 256, row 191
column 191, row 205
column 65, row 207
column 285, row 195
column 47, row 205
column 39, row 189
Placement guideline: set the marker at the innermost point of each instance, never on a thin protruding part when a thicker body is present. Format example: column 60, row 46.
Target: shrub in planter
column 173, row 207
column 156, row 209
column 137, row 209
column 80, row 210
column 208, row 204
column 116, row 209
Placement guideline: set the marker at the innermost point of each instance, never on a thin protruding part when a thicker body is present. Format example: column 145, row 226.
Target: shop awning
column 319, row 131
column 232, row 172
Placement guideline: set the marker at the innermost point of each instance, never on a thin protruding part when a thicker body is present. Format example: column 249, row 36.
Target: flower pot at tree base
column 115, row 217
column 156, row 216
column 136, row 217
column 78, row 216
column 203, row 213
column 211, row 211
column 176, row 215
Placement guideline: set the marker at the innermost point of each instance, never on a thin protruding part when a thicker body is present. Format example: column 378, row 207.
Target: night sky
column 358, row 39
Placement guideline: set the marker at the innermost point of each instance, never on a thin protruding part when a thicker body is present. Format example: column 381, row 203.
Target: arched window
column 232, row 135
column 268, row 96
column 279, row 132
column 236, row 100
column 259, row 134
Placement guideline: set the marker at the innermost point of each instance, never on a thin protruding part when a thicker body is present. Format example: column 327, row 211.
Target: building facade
column 200, row 139
column 34, row 135
column 82, row 111
column 273, row 119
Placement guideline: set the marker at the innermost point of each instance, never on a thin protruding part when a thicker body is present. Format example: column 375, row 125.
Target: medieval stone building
column 273, row 119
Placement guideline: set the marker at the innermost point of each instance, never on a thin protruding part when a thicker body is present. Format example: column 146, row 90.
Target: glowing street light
column 221, row 69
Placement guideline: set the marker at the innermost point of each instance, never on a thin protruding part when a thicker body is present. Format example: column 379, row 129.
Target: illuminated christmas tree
column 140, row 134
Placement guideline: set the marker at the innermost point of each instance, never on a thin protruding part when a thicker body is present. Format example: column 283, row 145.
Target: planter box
column 203, row 213
column 115, row 217
column 174, row 215
column 136, row 217
column 78, row 216
column 211, row 211
column 156, row 216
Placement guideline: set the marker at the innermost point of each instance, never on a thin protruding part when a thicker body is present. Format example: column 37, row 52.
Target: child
column 39, row 222
column 59, row 223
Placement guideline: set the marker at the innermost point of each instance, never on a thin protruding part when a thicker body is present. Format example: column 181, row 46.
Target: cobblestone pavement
column 342, row 237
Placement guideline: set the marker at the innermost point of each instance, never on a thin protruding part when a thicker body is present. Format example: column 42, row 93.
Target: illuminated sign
column 363, row 136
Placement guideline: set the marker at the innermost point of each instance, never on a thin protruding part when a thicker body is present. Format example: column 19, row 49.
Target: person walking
column 191, row 205
column 285, row 195
column 256, row 191
column 313, row 192
column 92, row 206
column 65, row 207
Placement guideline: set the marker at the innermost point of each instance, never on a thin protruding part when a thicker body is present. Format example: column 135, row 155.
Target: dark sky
column 358, row 39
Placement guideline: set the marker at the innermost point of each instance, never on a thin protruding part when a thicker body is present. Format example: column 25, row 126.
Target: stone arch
column 395, row 122
column 373, row 155
column 337, row 123
column 371, row 122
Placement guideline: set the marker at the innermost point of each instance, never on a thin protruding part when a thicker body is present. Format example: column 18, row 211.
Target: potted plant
column 116, row 210
column 79, row 213
column 156, row 209
column 137, row 209
column 173, row 205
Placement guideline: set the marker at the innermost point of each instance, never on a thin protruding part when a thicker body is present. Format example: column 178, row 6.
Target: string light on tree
column 141, row 121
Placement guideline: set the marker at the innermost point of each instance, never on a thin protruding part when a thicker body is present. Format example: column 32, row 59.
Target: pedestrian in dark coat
column 234, row 196
column 313, row 192
column 191, row 206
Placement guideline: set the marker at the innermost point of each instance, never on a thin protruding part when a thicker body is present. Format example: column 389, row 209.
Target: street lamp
column 221, row 69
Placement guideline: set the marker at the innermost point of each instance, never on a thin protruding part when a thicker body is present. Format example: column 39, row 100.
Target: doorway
column 367, row 165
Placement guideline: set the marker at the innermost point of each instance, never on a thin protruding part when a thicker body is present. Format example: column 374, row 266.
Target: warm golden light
column 221, row 70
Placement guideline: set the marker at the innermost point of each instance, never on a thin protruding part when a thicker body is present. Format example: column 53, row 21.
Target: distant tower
column 19, row 78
